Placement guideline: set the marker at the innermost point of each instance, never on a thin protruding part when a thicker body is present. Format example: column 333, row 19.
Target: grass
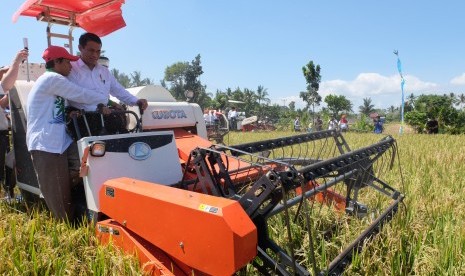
column 33, row 243
column 427, row 236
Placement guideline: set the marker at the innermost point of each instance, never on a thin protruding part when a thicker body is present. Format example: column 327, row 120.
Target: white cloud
column 384, row 90
column 373, row 84
column 460, row 80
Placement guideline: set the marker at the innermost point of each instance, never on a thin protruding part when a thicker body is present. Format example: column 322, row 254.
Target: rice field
column 426, row 237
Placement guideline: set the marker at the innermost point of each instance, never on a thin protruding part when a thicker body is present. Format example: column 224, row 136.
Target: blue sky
column 250, row 43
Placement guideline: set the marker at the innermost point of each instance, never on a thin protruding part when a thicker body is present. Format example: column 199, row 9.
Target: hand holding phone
column 25, row 43
column 26, row 47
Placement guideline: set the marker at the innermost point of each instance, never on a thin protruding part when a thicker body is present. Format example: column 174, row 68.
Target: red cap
column 54, row 52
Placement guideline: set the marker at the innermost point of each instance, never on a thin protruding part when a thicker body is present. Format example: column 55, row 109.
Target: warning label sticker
column 208, row 208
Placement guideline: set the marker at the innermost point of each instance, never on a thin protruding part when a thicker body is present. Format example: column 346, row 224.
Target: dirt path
column 393, row 128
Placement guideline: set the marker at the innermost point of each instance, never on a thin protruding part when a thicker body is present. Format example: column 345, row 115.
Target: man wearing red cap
column 47, row 140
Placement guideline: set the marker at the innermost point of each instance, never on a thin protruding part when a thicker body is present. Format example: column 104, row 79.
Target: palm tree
column 221, row 100
column 250, row 100
column 461, row 99
column 122, row 78
column 367, row 107
column 455, row 100
column 391, row 109
column 262, row 95
column 411, row 100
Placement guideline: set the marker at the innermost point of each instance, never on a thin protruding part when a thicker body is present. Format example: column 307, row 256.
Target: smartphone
column 25, row 43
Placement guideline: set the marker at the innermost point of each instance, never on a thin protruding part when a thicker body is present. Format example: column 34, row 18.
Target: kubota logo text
column 168, row 114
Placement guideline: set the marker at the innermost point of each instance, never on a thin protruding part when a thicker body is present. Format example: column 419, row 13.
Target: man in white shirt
column 88, row 73
column 332, row 124
column 48, row 142
column 8, row 77
column 232, row 117
column 297, row 124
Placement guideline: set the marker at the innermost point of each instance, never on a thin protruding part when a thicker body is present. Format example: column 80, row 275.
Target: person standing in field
column 432, row 126
column 378, row 125
column 332, row 124
column 232, row 117
column 310, row 127
column 8, row 76
column 52, row 149
column 318, row 124
column 297, row 124
column 343, row 123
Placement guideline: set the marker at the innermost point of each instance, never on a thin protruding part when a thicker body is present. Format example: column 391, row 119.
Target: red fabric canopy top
column 101, row 17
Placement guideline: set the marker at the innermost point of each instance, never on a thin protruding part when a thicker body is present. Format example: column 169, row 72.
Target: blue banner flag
column 402, row 83
column 399, row 66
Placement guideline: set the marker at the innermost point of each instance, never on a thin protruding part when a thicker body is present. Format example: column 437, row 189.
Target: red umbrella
column 96, row 16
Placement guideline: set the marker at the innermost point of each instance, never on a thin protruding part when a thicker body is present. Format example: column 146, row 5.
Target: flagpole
column 402, row 82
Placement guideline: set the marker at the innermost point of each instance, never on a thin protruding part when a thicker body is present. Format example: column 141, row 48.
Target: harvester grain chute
column 298, row 205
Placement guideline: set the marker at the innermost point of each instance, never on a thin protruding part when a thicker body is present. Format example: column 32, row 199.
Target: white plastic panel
column 162, row 166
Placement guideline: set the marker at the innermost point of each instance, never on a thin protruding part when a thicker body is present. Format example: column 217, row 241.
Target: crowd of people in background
column 342, row 124
column 211, row 116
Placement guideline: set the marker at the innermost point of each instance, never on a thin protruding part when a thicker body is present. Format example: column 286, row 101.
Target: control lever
column 76, row 126
column 100, row 107
column 141, row 112
column 83, row 113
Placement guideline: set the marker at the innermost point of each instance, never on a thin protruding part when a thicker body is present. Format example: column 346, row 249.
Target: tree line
column 182, row 76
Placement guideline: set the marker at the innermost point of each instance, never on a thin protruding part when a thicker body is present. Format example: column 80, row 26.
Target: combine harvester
column 299, row 205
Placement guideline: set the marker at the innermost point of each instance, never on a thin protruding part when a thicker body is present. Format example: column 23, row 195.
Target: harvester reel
column 304, row 182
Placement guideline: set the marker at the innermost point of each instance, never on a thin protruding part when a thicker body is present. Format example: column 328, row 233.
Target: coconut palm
column 391, row 109
column 461, row 99
column 122, row 78
column 367, row 108
column 262, row 95
column 411, row 99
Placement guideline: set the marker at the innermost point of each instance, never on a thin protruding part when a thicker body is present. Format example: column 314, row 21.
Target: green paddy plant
column 426, row 237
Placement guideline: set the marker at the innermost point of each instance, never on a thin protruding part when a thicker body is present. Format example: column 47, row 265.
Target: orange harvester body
column 215, row 236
